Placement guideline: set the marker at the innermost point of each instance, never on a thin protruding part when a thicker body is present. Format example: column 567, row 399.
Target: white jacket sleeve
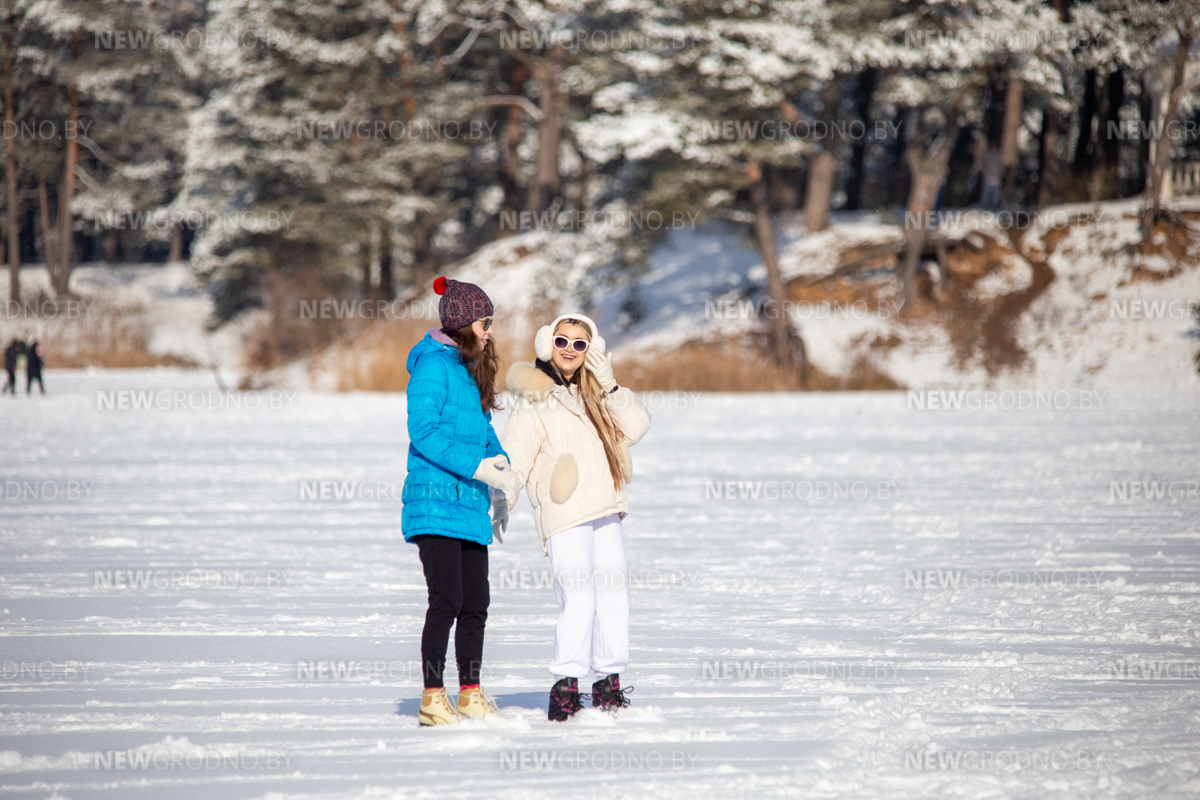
column 522, row 440
column 628, row 412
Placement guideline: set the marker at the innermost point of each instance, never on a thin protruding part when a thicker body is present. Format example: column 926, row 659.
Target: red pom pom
column 439, row 285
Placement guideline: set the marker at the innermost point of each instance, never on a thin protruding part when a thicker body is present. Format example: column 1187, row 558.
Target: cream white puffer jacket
column 556, row 452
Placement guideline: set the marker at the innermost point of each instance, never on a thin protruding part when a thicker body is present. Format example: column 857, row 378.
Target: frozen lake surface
column 836, row 595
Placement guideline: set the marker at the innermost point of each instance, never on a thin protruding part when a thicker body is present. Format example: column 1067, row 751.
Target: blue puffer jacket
column 448, row 436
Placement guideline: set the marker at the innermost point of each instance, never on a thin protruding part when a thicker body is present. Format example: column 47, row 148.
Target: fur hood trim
column 529, row 382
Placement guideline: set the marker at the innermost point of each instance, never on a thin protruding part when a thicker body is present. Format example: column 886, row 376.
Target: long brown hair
column 483, row 364
column 592, row 396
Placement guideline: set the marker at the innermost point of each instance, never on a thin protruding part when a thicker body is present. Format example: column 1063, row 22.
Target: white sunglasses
column 578, row 345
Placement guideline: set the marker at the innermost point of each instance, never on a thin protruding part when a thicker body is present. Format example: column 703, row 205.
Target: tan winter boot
column 436, row 709
column 474, row 702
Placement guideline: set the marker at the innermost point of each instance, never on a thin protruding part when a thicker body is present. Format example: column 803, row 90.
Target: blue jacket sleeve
column 493, row 441
column 428, row 387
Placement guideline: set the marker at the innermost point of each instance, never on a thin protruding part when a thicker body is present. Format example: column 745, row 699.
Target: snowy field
column 992, row 603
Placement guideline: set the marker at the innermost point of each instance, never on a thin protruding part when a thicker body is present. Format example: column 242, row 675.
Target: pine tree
column 940, row 57
column 712, row 117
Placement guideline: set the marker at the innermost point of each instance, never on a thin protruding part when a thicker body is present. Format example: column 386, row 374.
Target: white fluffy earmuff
column 543, row 341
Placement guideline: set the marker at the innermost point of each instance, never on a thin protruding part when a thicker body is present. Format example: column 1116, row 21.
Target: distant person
column 991, row 167
column 33, row 368
column 10, row 366
column 20, row 359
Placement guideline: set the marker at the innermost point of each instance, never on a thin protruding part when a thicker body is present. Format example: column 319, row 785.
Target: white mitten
column 497, row 473
column 499, row 514
column 600, row 365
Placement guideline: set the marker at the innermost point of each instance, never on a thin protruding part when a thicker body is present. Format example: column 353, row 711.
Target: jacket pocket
column 565, row 478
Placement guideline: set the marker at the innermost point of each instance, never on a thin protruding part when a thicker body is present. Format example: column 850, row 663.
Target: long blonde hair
column 592, row 396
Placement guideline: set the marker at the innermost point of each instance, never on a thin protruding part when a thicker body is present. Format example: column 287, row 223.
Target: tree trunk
column 1162, row 148
column 386, row 287
column 1087, row 115
column 48, row 249
column 10, row 169
column 510, row 177
column 820, row 187
column 1010, row 154
column 1146, row 116
column 858, row 153
column 821, row 166
column 764, row 234
column 1048, row 160
column 110, row 247
column 1107, row 181
column 546, row 182
column 928, row 173
column 901, row 184
column 176, row 253
column 66, row 197
column 1048, row 152
column 405, row 60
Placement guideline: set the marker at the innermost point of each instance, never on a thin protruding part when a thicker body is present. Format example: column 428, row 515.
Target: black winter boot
column 607, row 695
column 564, row 700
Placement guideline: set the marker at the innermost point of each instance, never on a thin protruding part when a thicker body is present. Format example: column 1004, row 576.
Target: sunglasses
column 578, row 345
column 487, row 323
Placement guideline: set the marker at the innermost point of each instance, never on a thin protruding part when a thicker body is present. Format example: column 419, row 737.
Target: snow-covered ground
column 991, row 604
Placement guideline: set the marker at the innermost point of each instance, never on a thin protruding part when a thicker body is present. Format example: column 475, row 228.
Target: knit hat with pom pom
column 461, row 304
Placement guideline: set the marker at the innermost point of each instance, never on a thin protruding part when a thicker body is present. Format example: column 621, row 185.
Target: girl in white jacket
column 568, row 441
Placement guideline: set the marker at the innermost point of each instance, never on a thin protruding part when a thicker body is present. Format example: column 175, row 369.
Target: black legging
column 11, row 385
column 37, row 376
column 456, row 572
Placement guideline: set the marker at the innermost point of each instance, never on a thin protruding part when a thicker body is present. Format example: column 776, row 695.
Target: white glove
column 600, row 365
column 497, row 473
column 499, row 514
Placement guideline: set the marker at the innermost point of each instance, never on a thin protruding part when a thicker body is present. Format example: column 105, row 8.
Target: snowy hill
column 1064, row 307
column 1059, row 305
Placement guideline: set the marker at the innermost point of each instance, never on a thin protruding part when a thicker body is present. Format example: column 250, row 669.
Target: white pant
column 591, row 582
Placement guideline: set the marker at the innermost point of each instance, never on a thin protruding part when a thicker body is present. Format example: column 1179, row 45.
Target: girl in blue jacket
column 454, row 462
